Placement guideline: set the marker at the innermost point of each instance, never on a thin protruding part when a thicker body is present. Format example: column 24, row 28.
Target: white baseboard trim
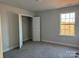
column 71, row 45
column 10, row 48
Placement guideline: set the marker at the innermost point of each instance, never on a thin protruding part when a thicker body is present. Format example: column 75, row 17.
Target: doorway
column 27, row 28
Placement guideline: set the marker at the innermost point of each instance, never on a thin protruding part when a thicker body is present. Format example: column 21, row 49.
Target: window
column 67, row 24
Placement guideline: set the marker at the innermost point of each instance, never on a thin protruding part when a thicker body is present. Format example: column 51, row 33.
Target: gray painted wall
column 10, row 30
column 8, row 42
column 13, row 29
column 50, row 26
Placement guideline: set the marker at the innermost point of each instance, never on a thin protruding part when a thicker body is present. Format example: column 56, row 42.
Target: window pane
column 63, row 21
column 67, row 26
column 72, row 26
column 67, row 31
column 62, row 26
column 67, row 21
column 72, row 15
column 67, row 16
column 62, row 16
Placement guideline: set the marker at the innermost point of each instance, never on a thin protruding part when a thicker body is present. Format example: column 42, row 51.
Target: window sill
column 66, row 35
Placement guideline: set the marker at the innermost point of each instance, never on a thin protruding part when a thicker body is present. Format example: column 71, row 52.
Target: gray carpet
column 41, row 50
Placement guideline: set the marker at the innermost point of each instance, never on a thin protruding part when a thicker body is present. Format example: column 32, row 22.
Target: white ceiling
column 40, row 5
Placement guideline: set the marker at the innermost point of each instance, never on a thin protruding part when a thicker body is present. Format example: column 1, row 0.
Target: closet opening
column 27, row 28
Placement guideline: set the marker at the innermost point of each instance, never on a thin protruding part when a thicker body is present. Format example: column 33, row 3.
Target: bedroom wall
column 50, row 27
column 5, row 11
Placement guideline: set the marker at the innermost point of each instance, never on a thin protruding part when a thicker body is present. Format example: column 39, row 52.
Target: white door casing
column 35, row 29
column 20, row 32
column 1, row 51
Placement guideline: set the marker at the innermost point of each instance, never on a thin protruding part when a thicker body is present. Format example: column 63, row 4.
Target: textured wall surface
column 50, row 26
column 7, row 22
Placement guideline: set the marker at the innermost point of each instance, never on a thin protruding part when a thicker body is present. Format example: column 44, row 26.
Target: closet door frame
column 21, row 30
column 1, row 50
